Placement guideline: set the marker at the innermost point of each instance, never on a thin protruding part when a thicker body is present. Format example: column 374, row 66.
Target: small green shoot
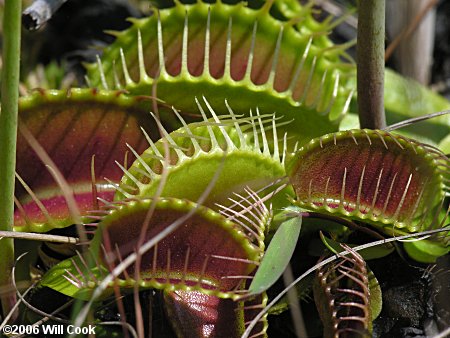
column 367, row 254
column 278, row 255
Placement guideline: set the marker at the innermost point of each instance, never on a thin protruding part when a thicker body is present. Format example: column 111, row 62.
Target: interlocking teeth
column 345, row 285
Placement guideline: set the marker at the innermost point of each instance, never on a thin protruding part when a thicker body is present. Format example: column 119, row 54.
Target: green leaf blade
column 277, row 256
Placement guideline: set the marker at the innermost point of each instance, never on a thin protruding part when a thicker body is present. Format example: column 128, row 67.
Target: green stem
column 370, row 63
column 8, row 133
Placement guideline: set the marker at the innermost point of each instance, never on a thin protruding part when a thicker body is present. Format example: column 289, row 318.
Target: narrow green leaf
column 376, row 299
column 277, row 256
column 367, row 254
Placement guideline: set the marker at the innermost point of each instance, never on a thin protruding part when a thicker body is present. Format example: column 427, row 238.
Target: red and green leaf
column 76, row 129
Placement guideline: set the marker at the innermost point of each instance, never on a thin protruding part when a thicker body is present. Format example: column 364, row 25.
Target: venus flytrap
column 195, row 313
column 220, row 137
column 210, row 258
column 224, row 51
column 346, row 252
column 185, row 260
column 84, row 132
column 196, row 151
column 204, row 249
column 394, row 183
column 213, row 140
column 389, row 179
column 347, row 296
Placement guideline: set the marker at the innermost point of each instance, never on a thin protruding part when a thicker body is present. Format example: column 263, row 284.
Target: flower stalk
column 8, row 135
column 370, row 64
